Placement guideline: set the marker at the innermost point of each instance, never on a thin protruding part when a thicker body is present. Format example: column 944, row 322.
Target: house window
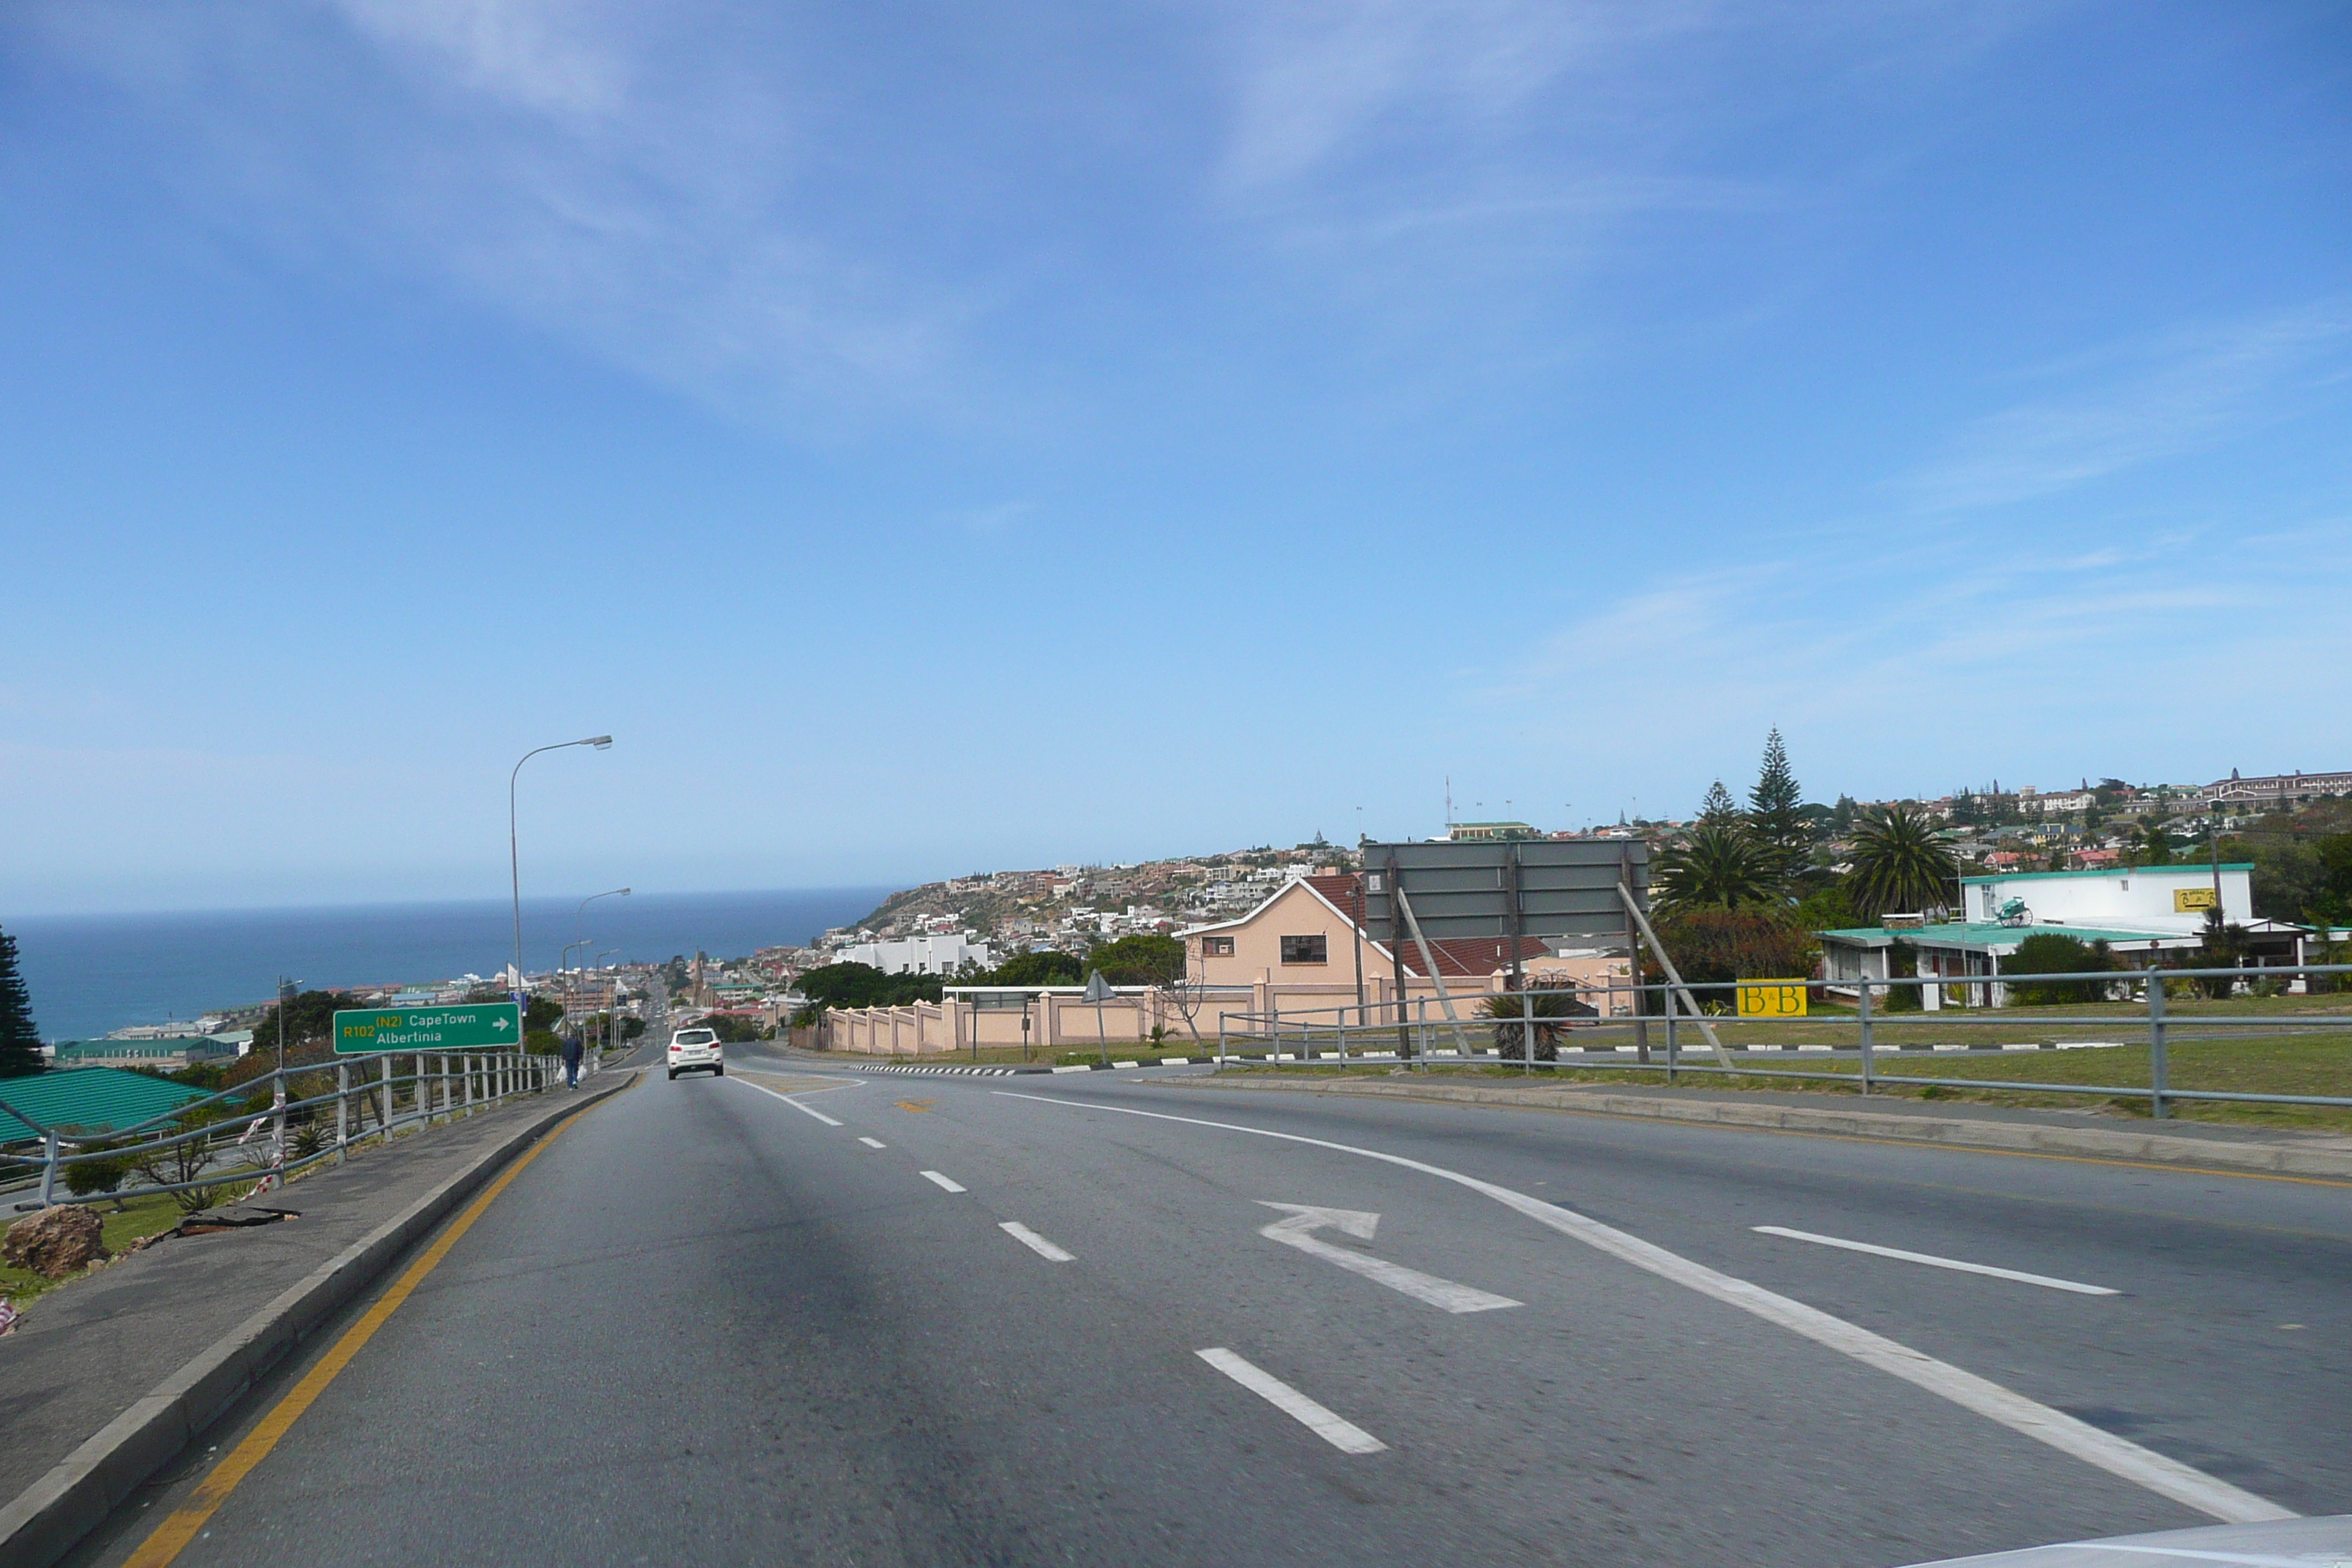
column 1307, row 949
column 1216, row 947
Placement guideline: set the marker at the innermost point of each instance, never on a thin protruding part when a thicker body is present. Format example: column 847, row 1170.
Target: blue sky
column 935, row 437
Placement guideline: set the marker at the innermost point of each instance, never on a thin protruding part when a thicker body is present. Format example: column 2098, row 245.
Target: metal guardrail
column 1406, row 1032
column 218, row 1155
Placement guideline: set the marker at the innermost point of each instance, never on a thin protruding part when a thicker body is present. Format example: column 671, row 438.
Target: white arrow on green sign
column 465, row 1026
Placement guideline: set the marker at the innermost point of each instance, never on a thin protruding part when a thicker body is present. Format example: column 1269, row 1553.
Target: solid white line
column 1034, row 1242
column 1934, row 1262
column 943, row 1183
column 2116, row 1456
column 788, row 1100
column 874, row 1143
column 1344, row 1435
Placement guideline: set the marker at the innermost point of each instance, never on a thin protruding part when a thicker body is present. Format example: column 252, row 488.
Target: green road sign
column 461, row 1027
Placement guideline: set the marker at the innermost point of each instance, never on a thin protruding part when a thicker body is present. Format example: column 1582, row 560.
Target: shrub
column 86, row 1178
column 1901, row 958
column 2052, row 952
column 1711, row 946
column 1550, row 1009
column 184, row 1163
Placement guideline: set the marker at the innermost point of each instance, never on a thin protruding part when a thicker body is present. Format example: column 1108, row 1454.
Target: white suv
column 695, row 1050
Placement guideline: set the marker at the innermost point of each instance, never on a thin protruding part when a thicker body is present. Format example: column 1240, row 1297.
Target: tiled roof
column 1345, row 890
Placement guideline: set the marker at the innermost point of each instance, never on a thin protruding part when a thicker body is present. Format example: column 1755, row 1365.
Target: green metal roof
column 2110, row 871
column 95, row 1100
column 1988, row 935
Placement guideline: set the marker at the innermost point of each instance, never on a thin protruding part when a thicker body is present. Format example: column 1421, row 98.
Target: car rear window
column 697, row 1036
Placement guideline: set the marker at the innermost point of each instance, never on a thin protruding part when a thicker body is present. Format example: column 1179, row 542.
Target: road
column 781, row 1317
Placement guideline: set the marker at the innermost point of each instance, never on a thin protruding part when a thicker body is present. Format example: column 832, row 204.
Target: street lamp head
column 600, row 741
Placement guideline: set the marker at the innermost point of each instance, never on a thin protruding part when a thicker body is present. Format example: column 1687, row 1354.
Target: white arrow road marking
column 1342, row 1435
column 1305, row 1220
column 1932, row 1261
column 2159, row 1473
column 1034, row 1242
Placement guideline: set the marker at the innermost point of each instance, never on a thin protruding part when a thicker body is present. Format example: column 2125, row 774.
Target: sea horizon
column 90, row 974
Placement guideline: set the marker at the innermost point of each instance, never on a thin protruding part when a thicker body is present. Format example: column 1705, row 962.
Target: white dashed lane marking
column 1034, row 1242
column 1342, row 1434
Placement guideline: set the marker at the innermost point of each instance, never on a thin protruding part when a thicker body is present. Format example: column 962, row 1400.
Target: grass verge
column 2299, row 1066
column 141, row 1218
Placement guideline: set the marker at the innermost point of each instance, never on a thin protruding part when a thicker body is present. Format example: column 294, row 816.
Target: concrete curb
column 45, row 1521
column 2263, row 1158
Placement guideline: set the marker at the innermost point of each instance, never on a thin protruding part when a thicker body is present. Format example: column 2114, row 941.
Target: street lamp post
column 514, row 851
column 580, row 915
column 612, row 1007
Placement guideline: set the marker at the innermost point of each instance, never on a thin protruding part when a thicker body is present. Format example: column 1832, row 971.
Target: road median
column 2206, row 1148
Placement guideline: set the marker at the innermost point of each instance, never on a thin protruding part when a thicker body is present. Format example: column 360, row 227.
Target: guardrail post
column 1673, row 1039
column 2155, row 1062
column 48, row 1167
column 1527, row 1032
column 384, row 1095
column 342, row 1111
column 278, row 1125
column 1867, row 1066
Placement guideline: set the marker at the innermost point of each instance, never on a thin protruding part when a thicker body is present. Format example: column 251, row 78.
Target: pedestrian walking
column 571, row 1061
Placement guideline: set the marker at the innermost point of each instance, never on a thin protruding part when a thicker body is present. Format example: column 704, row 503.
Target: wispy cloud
column 2139, row 403
column 600, row 172
column 1921, row 667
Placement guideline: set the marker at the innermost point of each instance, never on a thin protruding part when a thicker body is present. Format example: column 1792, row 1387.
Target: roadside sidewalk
column 105, row 1381
column 1953, row 1123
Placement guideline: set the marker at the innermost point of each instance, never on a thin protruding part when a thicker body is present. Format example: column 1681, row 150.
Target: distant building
column 939, row 955
column 2138, row 911
column 168, row 1052
column 1489, row 832
column 2272, row 789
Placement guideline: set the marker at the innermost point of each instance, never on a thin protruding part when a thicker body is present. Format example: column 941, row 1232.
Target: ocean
column 92, row 974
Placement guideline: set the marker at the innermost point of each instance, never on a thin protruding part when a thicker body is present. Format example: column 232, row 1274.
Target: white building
column 2171, row 900
column 2137, row 911
column 918, row 954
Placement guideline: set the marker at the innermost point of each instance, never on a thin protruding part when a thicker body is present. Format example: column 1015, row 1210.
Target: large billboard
column 1550, row 887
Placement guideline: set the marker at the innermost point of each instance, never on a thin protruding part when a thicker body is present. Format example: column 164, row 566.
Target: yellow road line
column 172, row 1537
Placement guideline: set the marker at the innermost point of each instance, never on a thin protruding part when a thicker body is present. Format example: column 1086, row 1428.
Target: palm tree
column 1720, row 866
column 1899, row 863
column 1542, row 1013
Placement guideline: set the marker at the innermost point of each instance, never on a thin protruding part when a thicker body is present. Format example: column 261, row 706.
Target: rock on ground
column 54, row 1242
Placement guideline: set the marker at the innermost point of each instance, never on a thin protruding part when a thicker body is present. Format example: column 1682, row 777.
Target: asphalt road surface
column 795, row 1315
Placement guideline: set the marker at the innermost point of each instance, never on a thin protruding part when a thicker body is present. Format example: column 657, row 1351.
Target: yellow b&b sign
column 2187, row 900
column 1771, row 998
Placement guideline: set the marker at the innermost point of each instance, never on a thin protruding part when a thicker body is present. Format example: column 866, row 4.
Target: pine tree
column 1717, row 810
column 20, row 1038
column 1774, row 807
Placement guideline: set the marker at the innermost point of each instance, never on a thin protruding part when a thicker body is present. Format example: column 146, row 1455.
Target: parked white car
column 695, row 1050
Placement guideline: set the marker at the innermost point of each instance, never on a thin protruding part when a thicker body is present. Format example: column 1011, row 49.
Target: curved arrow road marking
column 1305, row 1220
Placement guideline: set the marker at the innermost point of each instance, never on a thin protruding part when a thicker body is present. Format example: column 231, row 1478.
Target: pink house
column 1305, row 948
